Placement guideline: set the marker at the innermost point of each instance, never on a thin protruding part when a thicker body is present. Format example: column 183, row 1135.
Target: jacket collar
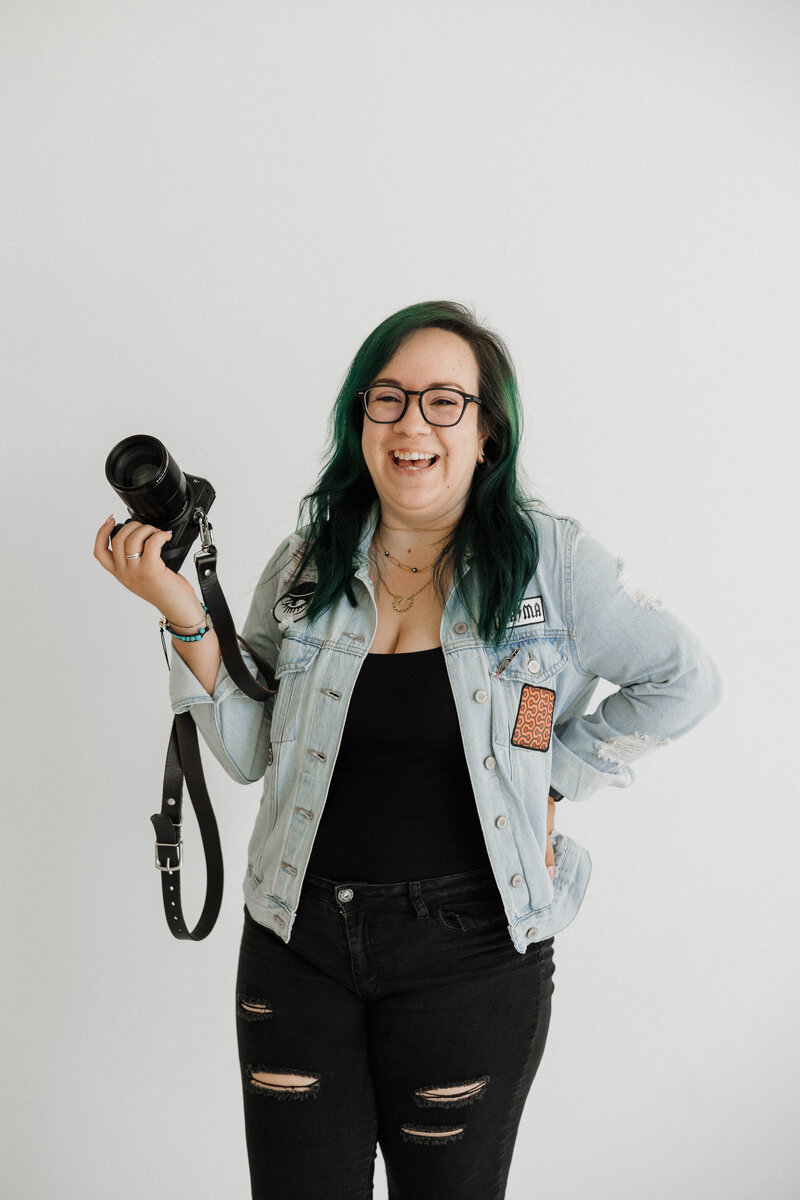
column 361, row 561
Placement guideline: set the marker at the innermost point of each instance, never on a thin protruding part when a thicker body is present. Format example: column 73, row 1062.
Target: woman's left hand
column 549, row 856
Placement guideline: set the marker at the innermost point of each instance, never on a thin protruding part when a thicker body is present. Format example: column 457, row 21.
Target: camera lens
column 137, row 465
column 147, row 479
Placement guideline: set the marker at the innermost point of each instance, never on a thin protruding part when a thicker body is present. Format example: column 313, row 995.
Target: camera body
column 155, row 491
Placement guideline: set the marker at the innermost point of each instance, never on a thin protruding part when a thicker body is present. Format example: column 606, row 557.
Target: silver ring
column 133, row 556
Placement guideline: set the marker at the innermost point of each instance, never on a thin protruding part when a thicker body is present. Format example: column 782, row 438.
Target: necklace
column 397, row 563
column 400, row 604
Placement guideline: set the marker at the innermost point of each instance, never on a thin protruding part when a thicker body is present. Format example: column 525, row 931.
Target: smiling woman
column 437, row 637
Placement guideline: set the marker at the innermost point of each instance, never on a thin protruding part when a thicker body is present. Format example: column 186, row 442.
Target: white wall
column 206, row 208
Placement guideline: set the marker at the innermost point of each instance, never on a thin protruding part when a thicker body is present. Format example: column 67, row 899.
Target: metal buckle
column 206, row 536
column 170, row 867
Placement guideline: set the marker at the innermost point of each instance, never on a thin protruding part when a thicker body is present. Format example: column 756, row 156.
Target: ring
column 133, row 556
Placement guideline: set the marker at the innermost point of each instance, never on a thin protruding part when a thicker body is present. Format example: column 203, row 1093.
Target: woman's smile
column 413, row 460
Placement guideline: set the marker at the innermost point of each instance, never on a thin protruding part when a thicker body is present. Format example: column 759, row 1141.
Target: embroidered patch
column 292, row 606
column 534, row 718
column 531, row 612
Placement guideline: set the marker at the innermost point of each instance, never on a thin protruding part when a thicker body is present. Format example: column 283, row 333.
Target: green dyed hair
column 495, row 536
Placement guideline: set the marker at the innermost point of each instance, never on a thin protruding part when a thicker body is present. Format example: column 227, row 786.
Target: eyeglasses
column 385, row 404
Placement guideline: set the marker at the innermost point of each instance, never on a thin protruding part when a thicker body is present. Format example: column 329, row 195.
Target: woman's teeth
column 425, row 459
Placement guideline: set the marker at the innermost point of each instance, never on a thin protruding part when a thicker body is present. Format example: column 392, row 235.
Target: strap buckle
column 169, row 867
column 206, row 536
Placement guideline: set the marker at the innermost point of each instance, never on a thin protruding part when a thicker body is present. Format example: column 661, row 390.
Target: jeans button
column 343, row 895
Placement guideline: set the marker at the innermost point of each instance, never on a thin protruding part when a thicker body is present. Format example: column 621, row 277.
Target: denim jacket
column 521, row 707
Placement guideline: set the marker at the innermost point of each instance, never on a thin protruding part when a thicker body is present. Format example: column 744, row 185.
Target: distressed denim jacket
column 521, row 708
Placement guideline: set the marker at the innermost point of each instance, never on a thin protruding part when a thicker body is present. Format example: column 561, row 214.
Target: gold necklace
column 400, row 604
column 402, row 566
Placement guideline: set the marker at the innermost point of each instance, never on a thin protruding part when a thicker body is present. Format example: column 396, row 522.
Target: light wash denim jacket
column 521, row 707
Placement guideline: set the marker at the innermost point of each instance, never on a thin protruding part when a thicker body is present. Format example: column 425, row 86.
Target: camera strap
column 184, row 762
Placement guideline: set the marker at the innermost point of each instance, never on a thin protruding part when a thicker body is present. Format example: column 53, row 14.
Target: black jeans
column 398, row 1014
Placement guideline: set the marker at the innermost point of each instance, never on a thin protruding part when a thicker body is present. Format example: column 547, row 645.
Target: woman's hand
column 134, row 559
column 549, row 856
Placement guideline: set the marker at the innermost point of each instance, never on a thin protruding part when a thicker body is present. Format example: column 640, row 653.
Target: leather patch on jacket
column 534, row 718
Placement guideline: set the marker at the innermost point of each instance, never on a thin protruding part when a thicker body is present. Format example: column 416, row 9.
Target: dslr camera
column 155, row 491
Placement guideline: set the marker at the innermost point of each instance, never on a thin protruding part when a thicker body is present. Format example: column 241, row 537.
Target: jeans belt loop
column 420, row 907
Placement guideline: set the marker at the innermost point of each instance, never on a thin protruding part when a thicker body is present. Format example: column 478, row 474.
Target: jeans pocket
column 471, row 913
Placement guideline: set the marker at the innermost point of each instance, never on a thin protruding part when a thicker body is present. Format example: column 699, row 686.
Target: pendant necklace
column 400, row 604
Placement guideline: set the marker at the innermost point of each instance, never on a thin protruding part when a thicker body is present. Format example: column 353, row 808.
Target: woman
column 436, row 638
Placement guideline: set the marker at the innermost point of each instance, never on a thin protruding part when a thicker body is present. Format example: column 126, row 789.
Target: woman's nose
column 412, row 420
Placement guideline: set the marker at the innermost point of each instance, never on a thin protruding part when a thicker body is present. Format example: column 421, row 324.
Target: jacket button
column 530, row 934
column 490, row 763
column 501, row 822
column 516, row 880
column 481, row 696
column 460, row 627
column 534, row 666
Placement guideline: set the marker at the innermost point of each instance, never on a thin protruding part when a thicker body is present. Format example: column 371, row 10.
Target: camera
column 155, row 491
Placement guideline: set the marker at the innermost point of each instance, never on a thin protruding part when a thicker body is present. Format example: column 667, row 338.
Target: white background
column 206, row 208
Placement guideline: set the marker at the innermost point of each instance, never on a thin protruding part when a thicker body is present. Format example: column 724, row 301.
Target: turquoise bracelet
column 163, row 624
column 195, row 637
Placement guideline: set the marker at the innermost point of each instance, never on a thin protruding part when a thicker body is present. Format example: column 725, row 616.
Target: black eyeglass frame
column 362, row 393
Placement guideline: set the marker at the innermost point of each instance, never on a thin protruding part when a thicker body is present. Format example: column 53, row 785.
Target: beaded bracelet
column 195, row 637
column 163, row 624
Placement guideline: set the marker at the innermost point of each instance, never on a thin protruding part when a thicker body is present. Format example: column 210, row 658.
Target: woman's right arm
column 134, row 559
column 235, row 728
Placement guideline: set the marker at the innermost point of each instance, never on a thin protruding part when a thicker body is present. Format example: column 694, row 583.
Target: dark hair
column 494, row 531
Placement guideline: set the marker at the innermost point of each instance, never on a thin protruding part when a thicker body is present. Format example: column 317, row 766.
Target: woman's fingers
column 129, row 547
column 135, row 554
column 101, row 550
column 119, row 545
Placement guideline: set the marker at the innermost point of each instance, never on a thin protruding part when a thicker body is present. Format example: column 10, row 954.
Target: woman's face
column 418, row 492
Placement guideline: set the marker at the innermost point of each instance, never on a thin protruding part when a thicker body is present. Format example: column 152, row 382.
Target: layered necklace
column 400, row 604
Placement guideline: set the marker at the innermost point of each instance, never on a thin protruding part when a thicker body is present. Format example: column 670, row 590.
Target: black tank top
column 400, row 804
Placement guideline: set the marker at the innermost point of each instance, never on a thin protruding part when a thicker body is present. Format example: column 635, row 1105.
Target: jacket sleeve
column 668, row 682
column 234, row 727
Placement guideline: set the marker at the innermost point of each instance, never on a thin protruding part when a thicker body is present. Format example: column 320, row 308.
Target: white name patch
column 531, row 612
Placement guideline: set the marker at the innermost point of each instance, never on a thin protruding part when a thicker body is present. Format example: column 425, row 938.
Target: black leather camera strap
column 229, row 639
column 184, row 762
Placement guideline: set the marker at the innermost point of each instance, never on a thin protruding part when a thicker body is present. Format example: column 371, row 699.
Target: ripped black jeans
column 398, row 1014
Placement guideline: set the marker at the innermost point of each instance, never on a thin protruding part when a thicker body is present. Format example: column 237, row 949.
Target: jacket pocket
column 523, row 676
column 294, row 662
